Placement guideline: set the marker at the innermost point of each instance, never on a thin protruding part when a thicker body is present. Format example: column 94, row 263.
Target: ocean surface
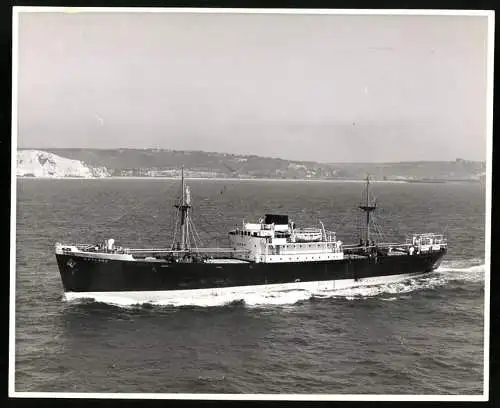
column 420, row 336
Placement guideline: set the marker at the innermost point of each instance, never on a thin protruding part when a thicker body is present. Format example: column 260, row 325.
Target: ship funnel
column 110, row 244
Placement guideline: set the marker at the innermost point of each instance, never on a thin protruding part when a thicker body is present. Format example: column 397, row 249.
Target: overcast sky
column 330, row 88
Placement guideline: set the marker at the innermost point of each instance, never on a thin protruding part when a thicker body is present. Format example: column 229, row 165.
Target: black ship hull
column 82, row 275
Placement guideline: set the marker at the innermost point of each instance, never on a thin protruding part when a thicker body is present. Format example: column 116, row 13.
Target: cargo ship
column 270, row 254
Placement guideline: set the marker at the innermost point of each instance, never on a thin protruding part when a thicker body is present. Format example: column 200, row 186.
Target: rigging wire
column 194, row 231
column 175, row 228
column 191, row 238
column 191, row 235
column 379, row 232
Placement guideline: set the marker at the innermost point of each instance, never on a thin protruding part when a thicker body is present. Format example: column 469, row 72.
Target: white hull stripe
column 227, row 295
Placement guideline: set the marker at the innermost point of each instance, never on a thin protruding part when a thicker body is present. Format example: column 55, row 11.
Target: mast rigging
column 368, row 208
column 184, row 210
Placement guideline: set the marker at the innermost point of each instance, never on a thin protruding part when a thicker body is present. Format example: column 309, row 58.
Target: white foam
column 472, row 271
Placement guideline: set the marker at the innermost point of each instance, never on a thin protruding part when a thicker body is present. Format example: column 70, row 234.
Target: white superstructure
column 426, row 242
column 275, row 239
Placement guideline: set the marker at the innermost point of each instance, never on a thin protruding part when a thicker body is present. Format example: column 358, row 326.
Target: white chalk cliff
column 37, row 163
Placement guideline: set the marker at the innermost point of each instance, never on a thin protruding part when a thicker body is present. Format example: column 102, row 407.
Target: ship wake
column 448, row 273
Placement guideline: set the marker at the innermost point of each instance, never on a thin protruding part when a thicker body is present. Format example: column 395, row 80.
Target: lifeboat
column 308, row 235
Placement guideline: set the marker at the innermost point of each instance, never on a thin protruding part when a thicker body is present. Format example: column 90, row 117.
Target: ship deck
column 226, row 261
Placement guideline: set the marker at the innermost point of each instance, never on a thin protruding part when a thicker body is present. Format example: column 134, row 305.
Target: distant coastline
column 159, row 178
column 155, row 164
column 206, row 178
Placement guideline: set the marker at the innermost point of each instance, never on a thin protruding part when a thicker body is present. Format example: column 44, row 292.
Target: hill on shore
column 163, row 162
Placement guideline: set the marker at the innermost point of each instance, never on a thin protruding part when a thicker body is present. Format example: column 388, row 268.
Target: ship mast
column 184, row 210
column 368, row 208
